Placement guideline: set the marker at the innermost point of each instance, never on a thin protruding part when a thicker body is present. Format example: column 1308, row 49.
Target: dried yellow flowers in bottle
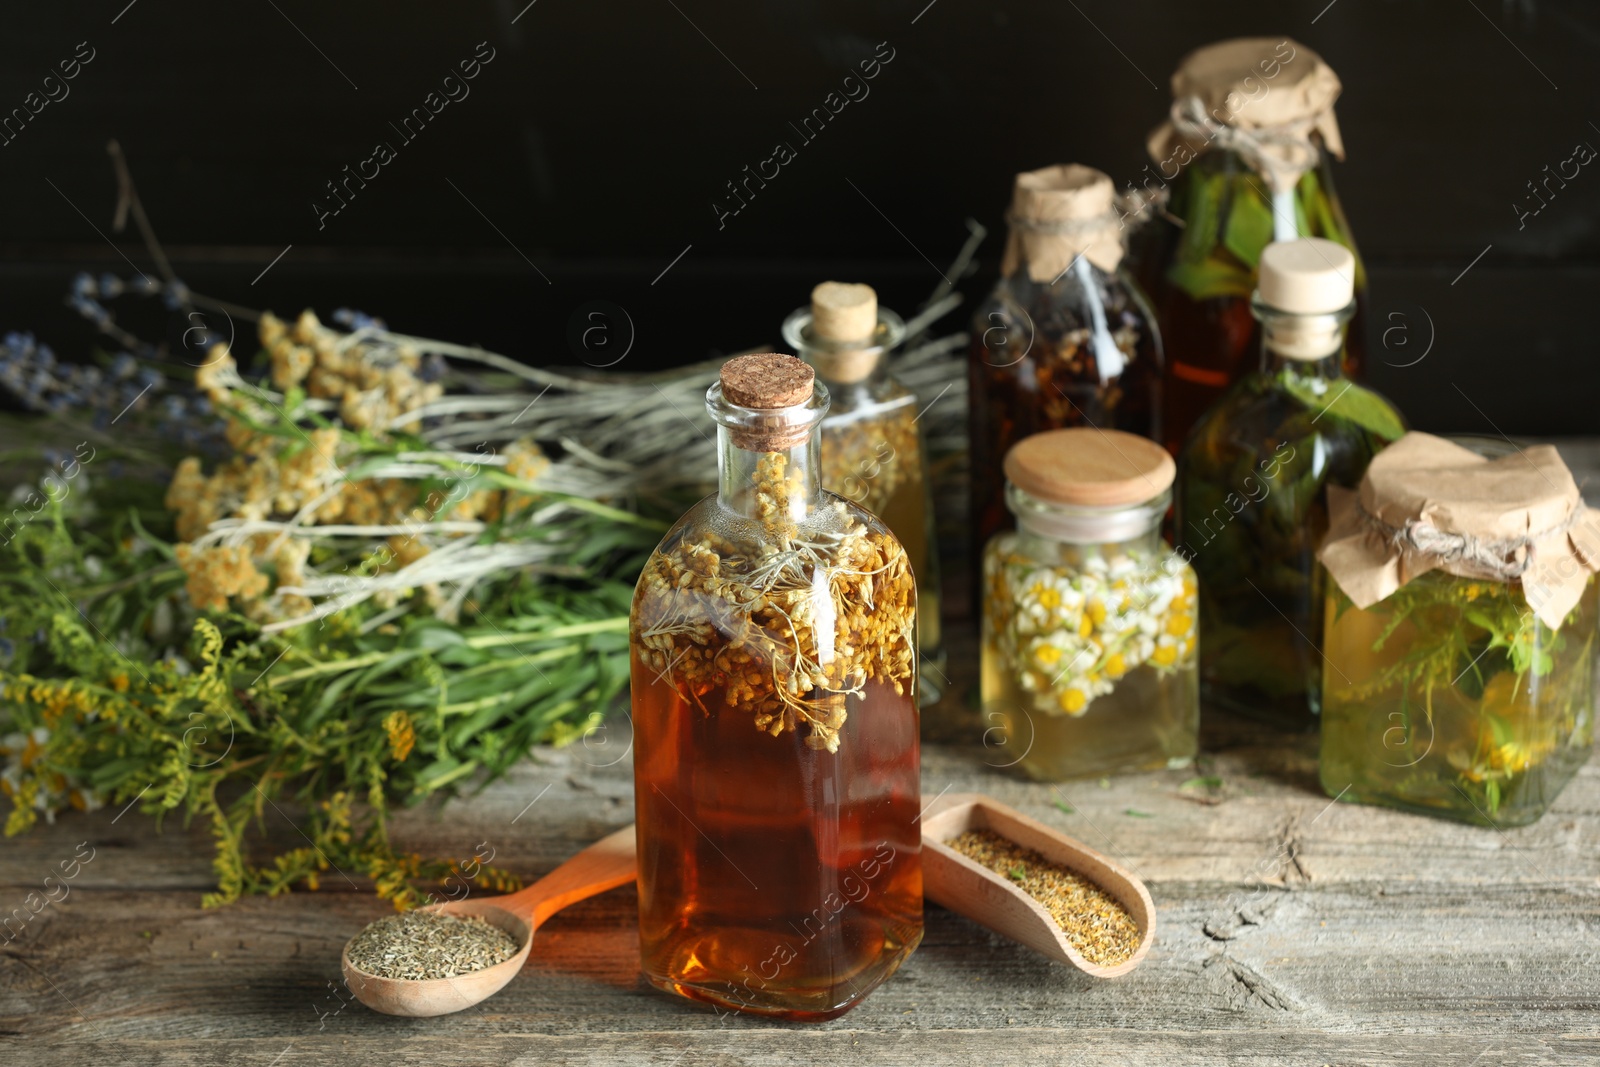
column 775, row 725
column 872, row 448
column 1089, row 637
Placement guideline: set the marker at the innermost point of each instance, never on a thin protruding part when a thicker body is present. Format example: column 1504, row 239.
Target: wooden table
column 1291, row 931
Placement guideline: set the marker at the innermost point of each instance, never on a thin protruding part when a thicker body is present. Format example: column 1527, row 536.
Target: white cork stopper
column 1308, row 276
column 843, row 312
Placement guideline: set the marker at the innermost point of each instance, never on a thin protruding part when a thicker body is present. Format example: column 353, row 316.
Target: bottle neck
column 1312, row 346
column 850, row 371
column 777, row 487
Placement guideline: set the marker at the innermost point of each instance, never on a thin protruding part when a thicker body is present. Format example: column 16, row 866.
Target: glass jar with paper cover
column 1242, row 161
column 1066, row 338
column 872, row 447
column 1252, row 480
column 774, row 674
column 1089, row 617
column 1461, row 632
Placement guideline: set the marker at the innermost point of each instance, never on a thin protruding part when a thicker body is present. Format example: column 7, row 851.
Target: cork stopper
column 840, row 336
column 1090, row 468
column 1309, row 276
column 772, row 382
column 1310, row 283
column 844, row 313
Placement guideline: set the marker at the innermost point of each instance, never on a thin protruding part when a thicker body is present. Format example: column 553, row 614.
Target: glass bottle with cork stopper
column 1252, row 487
column 774, row 678
column 873, row 452
column 1241, row 162
column 1066, row 339
column 1089, row 617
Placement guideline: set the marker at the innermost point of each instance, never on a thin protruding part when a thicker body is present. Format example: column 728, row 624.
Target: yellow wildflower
column 402, row 738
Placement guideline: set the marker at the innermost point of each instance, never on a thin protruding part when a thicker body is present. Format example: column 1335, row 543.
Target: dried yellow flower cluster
column 786, row 622
column 300, row 477
column 867, row 458
column 328, row 365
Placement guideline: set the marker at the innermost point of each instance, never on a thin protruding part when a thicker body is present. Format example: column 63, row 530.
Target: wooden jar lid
column 766, row 381
column 1090, row 468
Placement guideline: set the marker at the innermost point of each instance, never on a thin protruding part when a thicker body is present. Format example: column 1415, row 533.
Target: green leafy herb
column 1137, row 814
column 1345, row 400
column 1469, row 694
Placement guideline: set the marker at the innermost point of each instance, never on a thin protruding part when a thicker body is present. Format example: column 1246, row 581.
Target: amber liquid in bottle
column 775, row 878
column 779, row 849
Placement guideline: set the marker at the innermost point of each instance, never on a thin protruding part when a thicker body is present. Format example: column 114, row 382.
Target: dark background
column 595, row 142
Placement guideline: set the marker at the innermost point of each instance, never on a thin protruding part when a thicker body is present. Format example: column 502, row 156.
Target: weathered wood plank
column 1097, row 1047
column 1388, row 958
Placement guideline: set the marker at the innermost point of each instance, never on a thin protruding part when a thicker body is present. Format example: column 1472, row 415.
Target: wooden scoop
column 965, row 887
column 604, row 865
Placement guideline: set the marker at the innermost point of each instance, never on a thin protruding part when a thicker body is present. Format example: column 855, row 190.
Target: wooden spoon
column 956, row 882
column 604, row 865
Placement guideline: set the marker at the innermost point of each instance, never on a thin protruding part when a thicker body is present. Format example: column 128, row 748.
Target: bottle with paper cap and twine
column 1242, row 161
column 1462, row 610
column 1066, row 339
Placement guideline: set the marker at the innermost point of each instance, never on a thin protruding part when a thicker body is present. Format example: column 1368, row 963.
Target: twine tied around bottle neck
column 1281, row 154
column 1063, row 227
column 1504, row 560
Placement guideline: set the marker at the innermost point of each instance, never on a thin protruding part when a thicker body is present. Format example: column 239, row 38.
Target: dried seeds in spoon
column 417, row 956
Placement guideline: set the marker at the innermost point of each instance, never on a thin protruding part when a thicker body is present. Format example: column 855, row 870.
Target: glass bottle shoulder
column 1261, row 416
column 742, row 541
column 1063, row 304
column 880, row 396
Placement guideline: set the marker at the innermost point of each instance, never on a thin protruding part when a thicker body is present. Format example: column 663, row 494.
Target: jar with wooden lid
column 1462, row 621
column 1242, row 161
column 1066, row 339
column 872, row 447
column 1252, row 488
column 774, row 676
column 1089, row 629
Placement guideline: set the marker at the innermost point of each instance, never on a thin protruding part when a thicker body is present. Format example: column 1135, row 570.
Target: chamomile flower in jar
column 1089, row 637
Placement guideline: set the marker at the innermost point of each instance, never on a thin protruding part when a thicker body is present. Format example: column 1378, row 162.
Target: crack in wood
column 1292, row 869
column 1244, row 987
column 1251, row 913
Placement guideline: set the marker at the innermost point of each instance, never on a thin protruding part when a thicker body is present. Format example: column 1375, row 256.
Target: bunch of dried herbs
column 117, row 690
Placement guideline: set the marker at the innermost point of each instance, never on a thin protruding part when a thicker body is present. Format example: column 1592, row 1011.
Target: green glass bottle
column 1252, row 487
